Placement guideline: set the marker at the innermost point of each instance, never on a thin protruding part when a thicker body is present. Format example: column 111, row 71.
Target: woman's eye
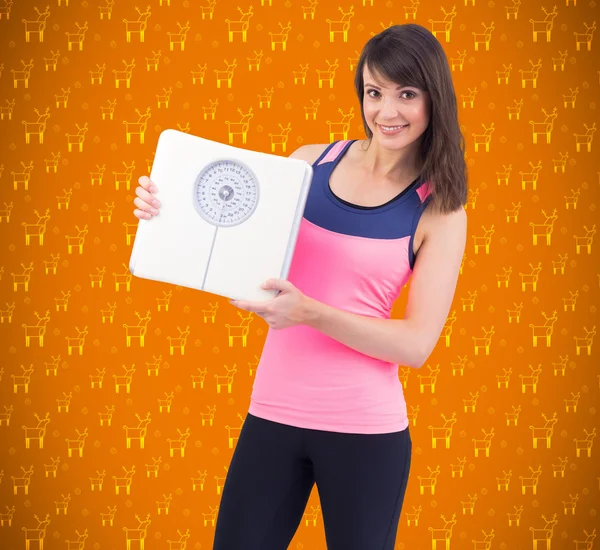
column 411, row 94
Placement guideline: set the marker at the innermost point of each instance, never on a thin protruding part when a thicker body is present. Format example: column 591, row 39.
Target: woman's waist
column 303, row 348
column 302, row 360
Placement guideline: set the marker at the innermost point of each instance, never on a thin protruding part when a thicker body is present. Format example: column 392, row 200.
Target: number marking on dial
column 226, row 193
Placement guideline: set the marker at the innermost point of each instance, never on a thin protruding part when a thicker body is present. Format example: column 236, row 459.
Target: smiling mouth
column 396, row 127
column 392, row 130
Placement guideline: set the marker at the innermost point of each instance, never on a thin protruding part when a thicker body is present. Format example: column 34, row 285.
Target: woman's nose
column 389, row 108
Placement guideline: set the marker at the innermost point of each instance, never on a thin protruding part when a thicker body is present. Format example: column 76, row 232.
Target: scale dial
column 226, row 193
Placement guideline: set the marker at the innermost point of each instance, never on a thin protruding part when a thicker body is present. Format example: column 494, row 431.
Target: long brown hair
column 410, row 55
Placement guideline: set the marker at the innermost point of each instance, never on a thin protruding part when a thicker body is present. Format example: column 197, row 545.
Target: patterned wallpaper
column 121, row 399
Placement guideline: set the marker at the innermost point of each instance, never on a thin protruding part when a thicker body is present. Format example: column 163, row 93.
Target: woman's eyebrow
column 379, row 88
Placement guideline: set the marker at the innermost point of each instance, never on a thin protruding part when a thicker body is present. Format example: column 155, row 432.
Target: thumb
column 277, row 284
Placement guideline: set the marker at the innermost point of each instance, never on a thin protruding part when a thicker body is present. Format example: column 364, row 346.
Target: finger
column 142, row 205
column 278, row 284
column 147, row 184
column 142, row 215
column 254, row 307
column 147, row 197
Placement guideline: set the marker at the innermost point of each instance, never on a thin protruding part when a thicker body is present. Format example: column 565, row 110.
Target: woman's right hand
column 147, row 205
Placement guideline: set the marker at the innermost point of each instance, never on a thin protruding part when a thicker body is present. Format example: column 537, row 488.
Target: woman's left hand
column 287, row 309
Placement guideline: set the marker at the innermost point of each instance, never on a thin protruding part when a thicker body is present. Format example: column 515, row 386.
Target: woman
column 327, row 406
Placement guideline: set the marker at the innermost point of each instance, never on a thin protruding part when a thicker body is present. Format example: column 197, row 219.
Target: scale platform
column 228, row 221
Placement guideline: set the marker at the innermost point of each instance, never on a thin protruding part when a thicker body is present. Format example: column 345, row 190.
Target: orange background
column 510, row 247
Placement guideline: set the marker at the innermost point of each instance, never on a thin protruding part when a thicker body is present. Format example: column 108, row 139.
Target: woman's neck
column 379, row 163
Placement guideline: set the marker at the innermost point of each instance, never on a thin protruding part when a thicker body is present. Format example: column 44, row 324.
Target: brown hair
column 410, row 55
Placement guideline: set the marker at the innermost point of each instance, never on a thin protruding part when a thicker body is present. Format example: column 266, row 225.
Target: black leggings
column 361, row 481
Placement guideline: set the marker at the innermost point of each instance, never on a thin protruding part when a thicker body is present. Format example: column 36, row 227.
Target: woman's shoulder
column 310, row 152
column 432, row 220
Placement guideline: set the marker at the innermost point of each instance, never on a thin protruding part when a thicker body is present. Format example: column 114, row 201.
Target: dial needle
column 212, row 245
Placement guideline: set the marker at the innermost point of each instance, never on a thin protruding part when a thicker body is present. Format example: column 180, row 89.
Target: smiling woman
column 327, row 405
column 403, row 78
column 409, row 116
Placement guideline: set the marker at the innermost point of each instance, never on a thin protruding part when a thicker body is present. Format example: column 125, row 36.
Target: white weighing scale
column 228, row 220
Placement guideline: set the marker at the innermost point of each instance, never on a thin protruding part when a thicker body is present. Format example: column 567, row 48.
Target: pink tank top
column 353, row 258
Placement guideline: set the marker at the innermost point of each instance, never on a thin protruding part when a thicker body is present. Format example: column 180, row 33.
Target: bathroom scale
column 228, row 221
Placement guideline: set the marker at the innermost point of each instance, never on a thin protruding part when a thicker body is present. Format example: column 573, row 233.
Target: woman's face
column 389, row 105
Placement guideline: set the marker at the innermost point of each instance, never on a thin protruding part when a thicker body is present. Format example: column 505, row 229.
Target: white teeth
column 391, row 128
